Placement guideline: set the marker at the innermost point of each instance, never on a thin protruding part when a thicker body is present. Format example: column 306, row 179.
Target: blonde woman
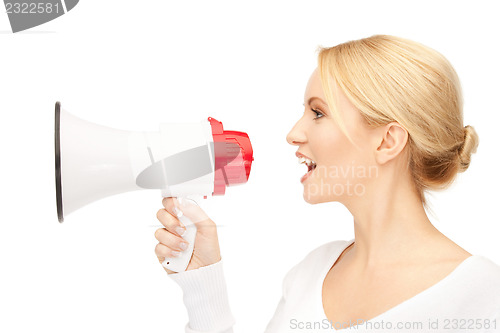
column 382, row 124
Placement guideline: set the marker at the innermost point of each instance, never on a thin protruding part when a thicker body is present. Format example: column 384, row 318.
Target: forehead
column 344, row 107
column 314, row 88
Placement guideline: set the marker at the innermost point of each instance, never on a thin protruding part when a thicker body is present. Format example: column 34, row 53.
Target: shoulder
column 327, row 250
column 316, row 260
column 478, row 283
column 486, row 270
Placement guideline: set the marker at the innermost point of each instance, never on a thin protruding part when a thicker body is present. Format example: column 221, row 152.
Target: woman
column 382, row 124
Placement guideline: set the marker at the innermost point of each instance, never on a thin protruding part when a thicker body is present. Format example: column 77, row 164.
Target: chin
column 317, row 198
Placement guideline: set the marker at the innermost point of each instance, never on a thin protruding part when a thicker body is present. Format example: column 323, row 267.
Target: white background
column 134, row 64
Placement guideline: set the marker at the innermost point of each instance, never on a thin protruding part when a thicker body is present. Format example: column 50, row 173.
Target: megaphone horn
column 181, row 159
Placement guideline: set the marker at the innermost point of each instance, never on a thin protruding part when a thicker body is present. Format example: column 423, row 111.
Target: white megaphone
column 185, row 160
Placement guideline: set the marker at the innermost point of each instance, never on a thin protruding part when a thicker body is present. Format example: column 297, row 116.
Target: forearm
column 206, row 299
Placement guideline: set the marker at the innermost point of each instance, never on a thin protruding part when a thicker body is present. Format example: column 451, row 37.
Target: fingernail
column 175, row 253
column 177, row 212
column 180, row 231
column 183, row 246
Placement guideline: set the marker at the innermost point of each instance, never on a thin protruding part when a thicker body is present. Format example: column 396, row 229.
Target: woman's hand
column 206, row 249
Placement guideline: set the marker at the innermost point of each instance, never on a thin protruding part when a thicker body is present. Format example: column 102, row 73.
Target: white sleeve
column 207, row 303
column 206, row 299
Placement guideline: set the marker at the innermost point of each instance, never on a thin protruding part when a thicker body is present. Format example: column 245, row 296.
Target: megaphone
column 185, row 160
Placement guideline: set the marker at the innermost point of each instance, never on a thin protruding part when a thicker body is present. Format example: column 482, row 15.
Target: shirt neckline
column 454, row 272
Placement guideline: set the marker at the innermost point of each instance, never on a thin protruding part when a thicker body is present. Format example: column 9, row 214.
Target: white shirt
column 466, row 300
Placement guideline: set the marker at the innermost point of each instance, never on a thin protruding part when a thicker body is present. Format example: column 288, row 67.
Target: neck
column 390, row 225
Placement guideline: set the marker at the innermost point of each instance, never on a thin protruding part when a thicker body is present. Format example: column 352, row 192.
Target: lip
column 299, row 155
column 304, row 177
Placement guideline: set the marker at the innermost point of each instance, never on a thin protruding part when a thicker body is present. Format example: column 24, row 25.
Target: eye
column 318, row 114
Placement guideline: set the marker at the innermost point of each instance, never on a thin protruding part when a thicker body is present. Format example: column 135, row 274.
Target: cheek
column 339, row 161
column 331, row 148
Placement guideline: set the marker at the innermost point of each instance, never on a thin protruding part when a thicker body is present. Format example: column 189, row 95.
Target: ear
column 393, row 141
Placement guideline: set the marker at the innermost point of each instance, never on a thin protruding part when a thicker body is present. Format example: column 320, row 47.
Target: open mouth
column 311, row 165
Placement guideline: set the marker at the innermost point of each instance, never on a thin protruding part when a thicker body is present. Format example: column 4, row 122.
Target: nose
column 297, row 135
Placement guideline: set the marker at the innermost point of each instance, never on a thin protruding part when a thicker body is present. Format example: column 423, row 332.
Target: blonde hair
column 390, row 79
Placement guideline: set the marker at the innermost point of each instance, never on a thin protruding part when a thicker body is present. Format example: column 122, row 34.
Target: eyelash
column 318, row 114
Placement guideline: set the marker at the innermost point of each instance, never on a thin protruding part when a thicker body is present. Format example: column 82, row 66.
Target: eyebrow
column 316, row 98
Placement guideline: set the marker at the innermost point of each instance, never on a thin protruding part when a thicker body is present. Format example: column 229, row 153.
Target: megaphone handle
column 180, row 263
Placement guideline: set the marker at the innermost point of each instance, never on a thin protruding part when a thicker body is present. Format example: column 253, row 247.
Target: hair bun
column 469, row 146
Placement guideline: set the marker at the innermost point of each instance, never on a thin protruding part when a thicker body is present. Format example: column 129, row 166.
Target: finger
column 163, row 252
column 172, row 241
column 170, row 203
column 171, row 223
column 191, row 210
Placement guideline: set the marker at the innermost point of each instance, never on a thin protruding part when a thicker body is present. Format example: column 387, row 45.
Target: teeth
column 307, row 161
